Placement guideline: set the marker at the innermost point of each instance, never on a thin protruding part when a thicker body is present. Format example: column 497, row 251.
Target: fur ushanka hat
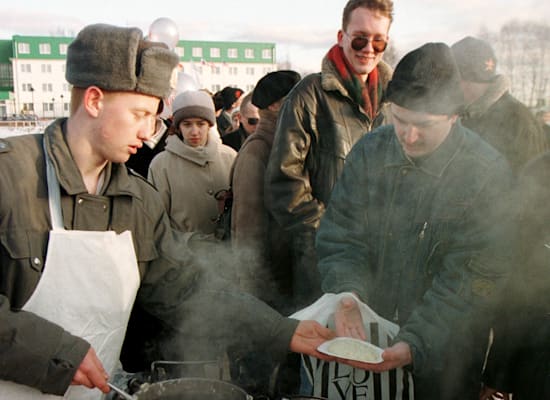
column 119, row 59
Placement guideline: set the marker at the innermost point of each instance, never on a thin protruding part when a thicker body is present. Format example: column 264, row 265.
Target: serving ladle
column 121, row 392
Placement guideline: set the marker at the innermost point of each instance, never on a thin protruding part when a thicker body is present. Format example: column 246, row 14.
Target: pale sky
column 303, row 30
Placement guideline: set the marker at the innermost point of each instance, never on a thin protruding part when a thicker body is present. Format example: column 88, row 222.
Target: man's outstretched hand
column 308, row 336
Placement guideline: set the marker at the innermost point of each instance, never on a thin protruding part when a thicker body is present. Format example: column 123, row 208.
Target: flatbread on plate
column 352, row 349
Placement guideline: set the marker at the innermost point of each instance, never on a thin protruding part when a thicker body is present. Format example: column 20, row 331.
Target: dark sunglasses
column 253, row 121
column 360, row 42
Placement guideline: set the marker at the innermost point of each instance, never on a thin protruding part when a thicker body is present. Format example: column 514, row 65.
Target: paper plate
column 352, row 349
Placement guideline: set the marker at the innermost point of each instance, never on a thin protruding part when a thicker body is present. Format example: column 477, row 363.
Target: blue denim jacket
column 422, row 242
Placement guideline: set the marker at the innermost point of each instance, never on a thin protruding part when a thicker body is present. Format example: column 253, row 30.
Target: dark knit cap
column 230, row 95
column 475, row 59
column 193, row 104
column 218, row 100
column 273, row 86
column 119, row 59
column 427, row 80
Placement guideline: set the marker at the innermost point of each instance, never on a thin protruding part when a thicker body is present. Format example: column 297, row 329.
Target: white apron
column 88, row 287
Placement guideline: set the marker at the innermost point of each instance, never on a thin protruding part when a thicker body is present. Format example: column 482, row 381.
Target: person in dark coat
column 519, row 360
column 323, row 117
column 140, row 161
column 259, row 243
column 248, row 118
column 417, row 227
column 491, row 111
column 231, row 98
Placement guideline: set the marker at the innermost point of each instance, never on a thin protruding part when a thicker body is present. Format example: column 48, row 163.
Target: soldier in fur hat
column 82, row 238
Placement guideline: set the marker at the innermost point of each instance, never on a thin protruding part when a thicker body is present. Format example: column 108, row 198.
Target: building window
column 232, row 53
column 197, row 52
column 44, row 48
column 26, row 87
column 180, row 51
column 47, row 87
column 216, row 70
column 267, row 54
column 233, row 71
column 47, row 107
column 63, row 48
column 248, row 53
column 66, row 87
column 28, row 107
column 249, row 70
column 46, row 68
column 25, row 68
column 215, row 52
column 23, row 48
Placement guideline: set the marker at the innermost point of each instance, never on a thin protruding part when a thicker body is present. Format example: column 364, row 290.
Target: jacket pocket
column 145, row 250
column 26, row 247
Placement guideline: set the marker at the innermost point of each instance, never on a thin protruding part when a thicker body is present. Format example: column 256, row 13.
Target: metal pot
column 300, row 397
column 191, row 389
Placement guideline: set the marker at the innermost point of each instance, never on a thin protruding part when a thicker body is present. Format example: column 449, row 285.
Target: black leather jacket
column 317, row 127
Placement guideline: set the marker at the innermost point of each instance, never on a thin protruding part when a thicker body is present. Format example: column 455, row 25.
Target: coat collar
column 68, row 174
column 331, row 80
column 433, row 164
column 201, row 155
column 498, row 87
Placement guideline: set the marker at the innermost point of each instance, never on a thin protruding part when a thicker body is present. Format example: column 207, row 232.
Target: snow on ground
column 23, row 129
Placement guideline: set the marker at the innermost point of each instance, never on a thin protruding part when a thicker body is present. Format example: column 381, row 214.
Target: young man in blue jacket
column 416, row 227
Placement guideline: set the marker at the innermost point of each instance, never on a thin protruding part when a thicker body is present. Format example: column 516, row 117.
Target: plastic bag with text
column 342, row 382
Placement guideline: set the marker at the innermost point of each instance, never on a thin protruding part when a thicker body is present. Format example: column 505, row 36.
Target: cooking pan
column 191, row 389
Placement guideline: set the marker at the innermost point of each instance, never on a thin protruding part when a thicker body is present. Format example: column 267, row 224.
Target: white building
column 32, row 70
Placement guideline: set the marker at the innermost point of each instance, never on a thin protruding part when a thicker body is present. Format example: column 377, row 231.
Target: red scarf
column 366, row 94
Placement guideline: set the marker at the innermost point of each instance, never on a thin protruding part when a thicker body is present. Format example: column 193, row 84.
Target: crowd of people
column 421, row 190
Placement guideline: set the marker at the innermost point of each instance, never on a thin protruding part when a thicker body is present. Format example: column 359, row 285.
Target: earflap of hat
column 155, row 68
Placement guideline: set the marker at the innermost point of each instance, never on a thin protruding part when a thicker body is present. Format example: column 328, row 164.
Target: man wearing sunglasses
column 248, row 122
column 321, row 120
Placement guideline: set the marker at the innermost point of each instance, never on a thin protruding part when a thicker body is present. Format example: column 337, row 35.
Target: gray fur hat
column 193, row 104
column 119, row 59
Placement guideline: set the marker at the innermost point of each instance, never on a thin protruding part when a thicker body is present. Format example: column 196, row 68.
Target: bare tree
column 523, row 54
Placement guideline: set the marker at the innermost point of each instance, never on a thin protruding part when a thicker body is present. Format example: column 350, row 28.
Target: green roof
column 4, row 95
column 6, row 51
column 212, row 51
column 224, row 48
column 35, row 42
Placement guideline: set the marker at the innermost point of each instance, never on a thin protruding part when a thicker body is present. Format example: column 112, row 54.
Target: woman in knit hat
column 193, row 166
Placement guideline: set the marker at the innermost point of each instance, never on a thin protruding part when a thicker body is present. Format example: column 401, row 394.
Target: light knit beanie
column 193, row 104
